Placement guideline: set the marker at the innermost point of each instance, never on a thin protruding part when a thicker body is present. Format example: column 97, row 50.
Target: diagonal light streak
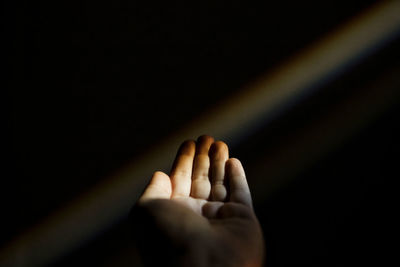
column 230, row 120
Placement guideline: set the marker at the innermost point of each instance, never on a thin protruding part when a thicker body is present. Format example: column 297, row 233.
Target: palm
column 205, row 196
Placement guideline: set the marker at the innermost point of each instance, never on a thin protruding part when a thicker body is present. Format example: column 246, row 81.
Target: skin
column 201, row 214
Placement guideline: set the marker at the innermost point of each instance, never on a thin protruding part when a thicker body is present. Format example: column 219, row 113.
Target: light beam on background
column 231, row 120
column 312, row 142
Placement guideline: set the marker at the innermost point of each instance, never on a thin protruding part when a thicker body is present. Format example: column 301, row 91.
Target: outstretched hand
column 201, row 214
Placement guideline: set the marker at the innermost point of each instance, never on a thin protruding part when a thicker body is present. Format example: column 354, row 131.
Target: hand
column 200, row 215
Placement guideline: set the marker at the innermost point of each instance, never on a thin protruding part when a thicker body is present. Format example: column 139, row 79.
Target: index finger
column 181, row 173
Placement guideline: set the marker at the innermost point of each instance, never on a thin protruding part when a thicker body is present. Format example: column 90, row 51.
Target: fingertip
column 220, row 144
column 161, row 179
column 234, row 161
column 188, row 147
column 188, row 142
column 219, row 150
column 160, row 174
column 205, row 138
column 203, row 144
column 234, row 169
column 158, row 188
column 234, row 164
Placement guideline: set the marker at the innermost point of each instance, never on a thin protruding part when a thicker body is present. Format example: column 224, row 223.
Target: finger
column 238, row 187
column 181, row 173
column 159, row 188
column 200, row 179
column 219, row 154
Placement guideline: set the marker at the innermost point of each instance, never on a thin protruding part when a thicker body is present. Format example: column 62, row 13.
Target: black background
column 93, row 84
